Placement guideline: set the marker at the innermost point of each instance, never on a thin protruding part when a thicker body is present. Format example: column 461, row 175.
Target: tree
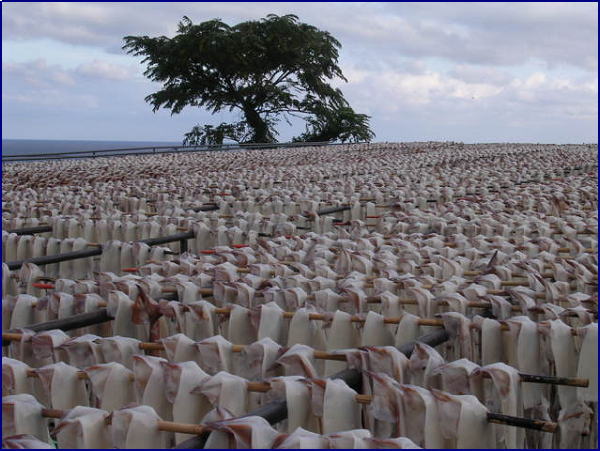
column 343, row 124
column 267, row 70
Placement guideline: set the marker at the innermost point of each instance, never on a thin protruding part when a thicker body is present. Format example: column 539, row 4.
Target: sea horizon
column 23, row 146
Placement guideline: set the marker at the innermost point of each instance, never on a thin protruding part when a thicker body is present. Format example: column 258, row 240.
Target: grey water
column 38, row 146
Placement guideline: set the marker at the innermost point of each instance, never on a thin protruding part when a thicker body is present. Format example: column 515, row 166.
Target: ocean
column 35, row 146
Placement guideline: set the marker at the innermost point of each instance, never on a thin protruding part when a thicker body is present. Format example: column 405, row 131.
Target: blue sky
column 489, row 72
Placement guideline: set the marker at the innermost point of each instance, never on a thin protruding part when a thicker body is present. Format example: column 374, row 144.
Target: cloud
column 471, row 33
column 93, row 106
column 511, row 33
column 458, row 71
column 38, row 73
column 479, row 74
column 106, row 70
column 461, row 103
column 396, row 90
column 38, row 83
column 534, row 98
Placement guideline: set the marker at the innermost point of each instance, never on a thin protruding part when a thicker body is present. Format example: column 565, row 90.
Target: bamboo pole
column 263, row 387
column 319, row 355
column 246, row 270
column 165, row 426
column 431, row 322
column 166, row 290
column 551, row 226
column 198, row 429
column 472, row 304
column 370, row 299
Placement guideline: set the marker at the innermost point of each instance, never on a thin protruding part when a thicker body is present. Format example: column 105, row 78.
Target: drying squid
column 83, row 427
column 14, row 377
column 187, row 406
column 22, row 414
column 225, row 391
column 249, row 432
column 502, row 393
column 422, row 425
column 150, row 384
column 259, row 358
column 340, row 410
column 299, row 360
column 62, row 385
column 422, row 365
column 297, row 394
column 341, row 335
column 24, row 441
column 137, row 427
column 355, row 439
column 112, row 385
column 300, row 439
column 464, row 421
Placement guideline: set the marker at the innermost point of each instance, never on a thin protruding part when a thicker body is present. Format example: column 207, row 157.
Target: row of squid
column 314, row 404
column 493, row 244
column 350, row 251
column 173, row 177
column 395, row 324
column 224, row 285
column 489, row 184
column 206, row 371
column 136, row 227
column 139, row 428
column 529, row 201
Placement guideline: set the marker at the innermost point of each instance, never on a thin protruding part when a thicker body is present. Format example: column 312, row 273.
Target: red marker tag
column 130, row 269
column 43, row 286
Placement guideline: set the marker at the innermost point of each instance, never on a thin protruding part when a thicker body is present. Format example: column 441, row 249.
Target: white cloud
column 39, row 73
column 106, row 70
column 533, row 97
column 395, row 90
column 471, row 33
column 480, row 74
column 444, row 70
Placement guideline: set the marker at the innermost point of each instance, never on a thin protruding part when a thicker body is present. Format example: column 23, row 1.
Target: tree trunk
column 260, row 127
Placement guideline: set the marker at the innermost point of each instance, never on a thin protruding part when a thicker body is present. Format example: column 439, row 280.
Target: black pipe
column 79, row 320
column 276, row 411
column 432, row 339
column 168, row 239
column 31, row 230
column 183, row 246
column 57, row 258
column 206, row 208
column 73, row 322
column 537, row 425
column 84, row 253
column 326, row 211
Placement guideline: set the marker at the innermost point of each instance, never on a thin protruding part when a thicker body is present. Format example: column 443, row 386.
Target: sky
column 471, row 72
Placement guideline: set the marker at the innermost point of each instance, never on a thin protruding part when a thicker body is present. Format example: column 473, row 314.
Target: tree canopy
column 268, row 70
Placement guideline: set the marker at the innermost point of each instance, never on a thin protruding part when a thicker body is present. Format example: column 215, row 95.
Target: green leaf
column 263, row 69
